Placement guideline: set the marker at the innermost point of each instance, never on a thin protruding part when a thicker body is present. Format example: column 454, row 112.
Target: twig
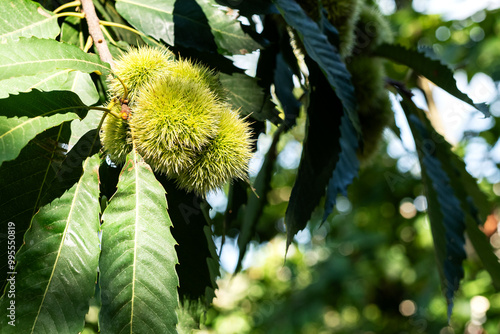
column 96, row 33
column 400, row 86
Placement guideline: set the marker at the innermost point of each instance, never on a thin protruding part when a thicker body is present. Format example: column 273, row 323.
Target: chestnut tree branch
column 96, row 33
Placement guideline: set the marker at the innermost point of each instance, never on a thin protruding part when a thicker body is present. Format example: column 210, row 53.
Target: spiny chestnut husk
column 374, row 107
column 371, row 30
column 343, row 14
column 172, row 118
column 176, row 111
column 368, row 76
column 225, row 157
column 197, row 73
column 115, row 136
column 179, row 121
column 138, row 67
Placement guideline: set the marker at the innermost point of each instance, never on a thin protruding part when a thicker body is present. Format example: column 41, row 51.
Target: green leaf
column 324, row 54
column 247, row 8
column 245, row 95
column 434, row 70
column 109, row 13
column 23, row 181
column 25, row 18
column 320, row 153
column 213, row 265
column 157, row 18
column 347, row 167
column 446, row 214
column 71, row 31
column 75, row 81
column 81, row 127
column 446, row 217
column 137, row 264
column 57, row 265
column 473, row 203
column 152, row 17
column 229, row 36
column 31, row 56
column 191, row 28
column 25, row 115
column 256, row 201
column 284, row 86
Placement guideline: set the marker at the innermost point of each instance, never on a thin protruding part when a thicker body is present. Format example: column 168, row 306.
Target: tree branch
column 96, row 33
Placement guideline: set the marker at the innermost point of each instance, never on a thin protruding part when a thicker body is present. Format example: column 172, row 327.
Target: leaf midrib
column 54, row 60
column 3, row 36
column 30, row 120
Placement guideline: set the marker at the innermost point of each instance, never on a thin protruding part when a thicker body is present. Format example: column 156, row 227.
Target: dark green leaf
column 195, row 249
column 191, row 27
column 246, row 96
column 283, row 79
column 71, row 168
column 320, row 153
column 324, row 54
column 23, row 181
column 249, row 8
column 432, row 69
column 346, row 168
column 446, row 215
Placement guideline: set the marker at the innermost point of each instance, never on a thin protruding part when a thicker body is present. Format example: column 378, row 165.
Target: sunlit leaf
column 137, row 264
column 229, row 36
column 57, row 266
column 33, row 55
column 25, row 115
column 152, row 17
column 75, row 81
column 25, row 18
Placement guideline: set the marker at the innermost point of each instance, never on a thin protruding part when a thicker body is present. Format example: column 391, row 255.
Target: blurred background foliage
column 370, row 267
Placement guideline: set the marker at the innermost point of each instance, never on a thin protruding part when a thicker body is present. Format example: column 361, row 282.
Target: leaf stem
column 107, row 110
column 79, row 15
column 108, row 35
column 125, row 90
column 88, row 44
column 122, row 26
column 67, row 5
